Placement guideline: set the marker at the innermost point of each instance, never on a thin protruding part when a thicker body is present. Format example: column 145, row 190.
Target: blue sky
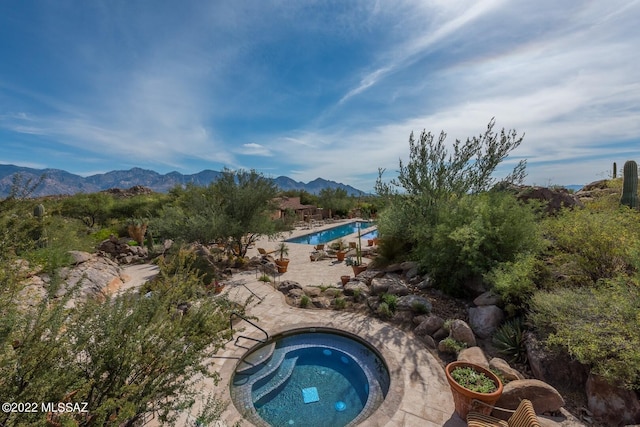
column 312, row 89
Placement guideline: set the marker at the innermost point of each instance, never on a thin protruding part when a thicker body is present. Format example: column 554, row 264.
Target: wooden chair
column 524, row 416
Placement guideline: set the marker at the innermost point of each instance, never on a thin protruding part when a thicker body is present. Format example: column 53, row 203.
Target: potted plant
column 470, row 382
column 282, row 250
column 356, row 264
column 340, row 247
column 345, row 279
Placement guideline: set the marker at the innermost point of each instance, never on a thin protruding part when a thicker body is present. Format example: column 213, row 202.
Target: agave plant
column 510, row 341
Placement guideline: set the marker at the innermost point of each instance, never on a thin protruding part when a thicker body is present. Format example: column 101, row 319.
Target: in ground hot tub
column 311, row 377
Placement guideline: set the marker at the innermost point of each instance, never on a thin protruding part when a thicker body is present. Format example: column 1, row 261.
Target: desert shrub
column 264, row 278
column 598, row 325
column 391, row 301
column 339, row 303
column 588, row 245
column 395, row 239
column 450, row 345
column 509, row 340
column 104, row 234
column 420, row 308
column 384, row 310
column 474, row 234
column 514, row 281
column 304, row 301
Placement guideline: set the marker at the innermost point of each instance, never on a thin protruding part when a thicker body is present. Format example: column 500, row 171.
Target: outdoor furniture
column 524, row 416
column 263, row 252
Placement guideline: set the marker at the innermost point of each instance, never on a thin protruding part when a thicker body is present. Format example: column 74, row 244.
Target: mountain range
column 59, row 182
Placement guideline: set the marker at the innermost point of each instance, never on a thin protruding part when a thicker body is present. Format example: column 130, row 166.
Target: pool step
column 283, row 374
column 256, row 360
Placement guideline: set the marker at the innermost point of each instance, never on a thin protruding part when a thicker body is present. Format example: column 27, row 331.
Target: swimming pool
column 310, row 379
column 330, row 234
column 370, row 235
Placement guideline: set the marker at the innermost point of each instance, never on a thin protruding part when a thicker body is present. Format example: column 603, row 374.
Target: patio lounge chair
column 524, row 416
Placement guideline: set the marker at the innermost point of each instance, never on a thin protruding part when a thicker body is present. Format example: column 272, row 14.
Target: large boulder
column 368, row 275
column 460, row 331
column 554, row 367
column 398, row 288
column 381, row 285
column 354, row 287
column 545, row 398
column 610, row 404
column 312, row 291
column 501, row 366
column 94, row 277
column 429, row 326
column 286, row 285
column 554, row 198
column 487, row 298
column 484, row 320
column 414, row 303
column 474, row 355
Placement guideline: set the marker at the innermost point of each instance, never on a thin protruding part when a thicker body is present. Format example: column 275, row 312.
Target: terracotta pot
column 357, row 269
column 282, row 265
column 345, row 279
column 463, row 397
column 370, row 242
column 341, row 256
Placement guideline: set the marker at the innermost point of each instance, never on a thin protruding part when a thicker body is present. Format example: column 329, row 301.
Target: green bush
column 589, row 244
column 385, row 311
column 339, row 303
column 514, row 281
column 450, row 345
column 304, row 301
column 598, row 325
column 391, row 301
column 474, row 234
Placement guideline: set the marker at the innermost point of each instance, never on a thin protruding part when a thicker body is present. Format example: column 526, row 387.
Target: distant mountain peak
column 59, row 182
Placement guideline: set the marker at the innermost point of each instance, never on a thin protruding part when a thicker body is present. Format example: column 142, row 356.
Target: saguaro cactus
column 39, row 211
column 630, row 185
column 615, row 170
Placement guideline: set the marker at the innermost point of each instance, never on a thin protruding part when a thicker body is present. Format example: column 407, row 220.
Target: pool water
column 330, row 234
column 341, row 386
column 310, row 379
column 370, row 235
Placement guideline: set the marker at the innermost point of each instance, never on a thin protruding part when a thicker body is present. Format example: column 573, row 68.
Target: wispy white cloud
column 253, row 149
column 329, row 91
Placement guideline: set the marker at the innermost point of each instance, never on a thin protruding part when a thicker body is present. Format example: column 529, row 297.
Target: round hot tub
column 310, row 377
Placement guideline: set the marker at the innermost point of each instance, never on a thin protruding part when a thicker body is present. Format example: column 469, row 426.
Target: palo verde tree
column 244, row 204
column 235, row 209
column 432, row 210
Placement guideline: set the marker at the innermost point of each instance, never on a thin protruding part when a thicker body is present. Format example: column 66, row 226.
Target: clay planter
column 370, row 242
column 345, row 279
column 341, row 255
column 282, row 265
column 357, row 269
column 463, row 397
